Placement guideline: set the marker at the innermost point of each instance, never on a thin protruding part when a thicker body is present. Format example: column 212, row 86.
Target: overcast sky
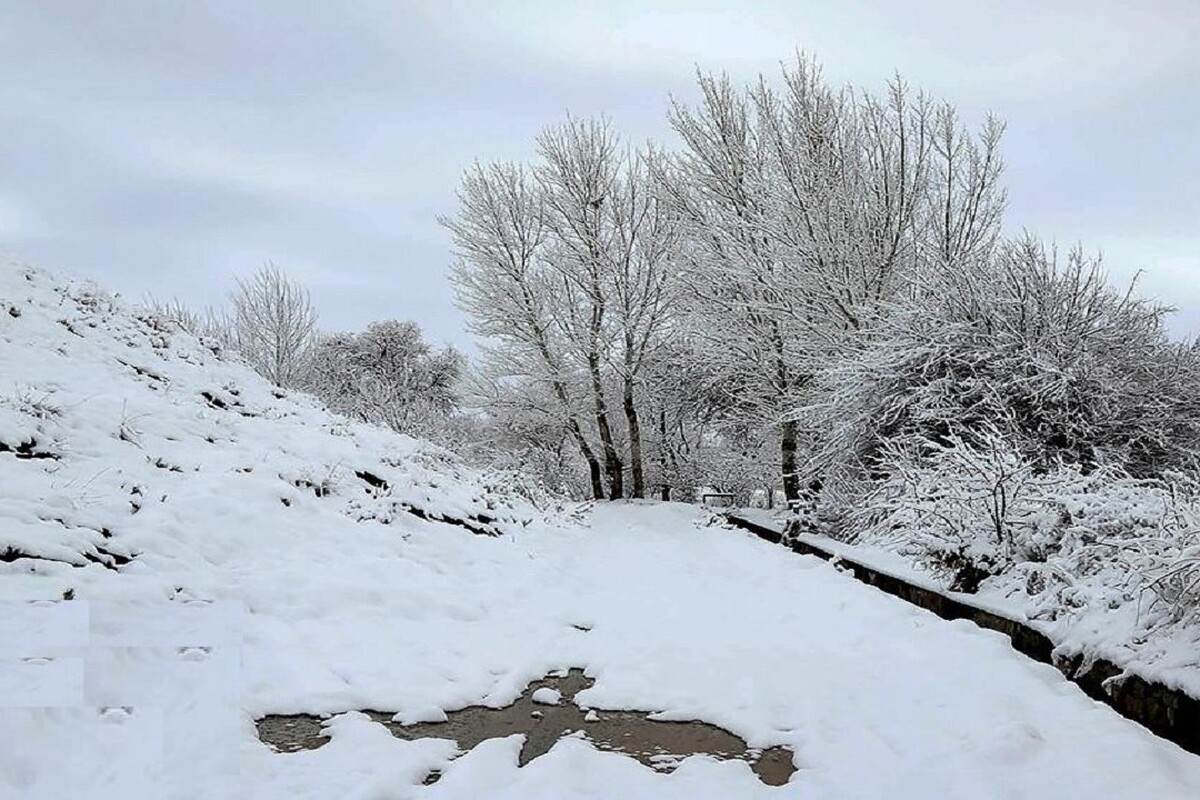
column 167, row 147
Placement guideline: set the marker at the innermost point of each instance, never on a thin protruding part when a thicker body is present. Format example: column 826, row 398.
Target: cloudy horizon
column 165, row 149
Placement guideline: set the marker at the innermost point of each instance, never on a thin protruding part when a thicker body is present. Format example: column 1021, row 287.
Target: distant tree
column 387, row 374
column 274, row 324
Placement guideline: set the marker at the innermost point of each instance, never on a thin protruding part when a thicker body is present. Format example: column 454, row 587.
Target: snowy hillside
column 230, row 551
column 123, row 438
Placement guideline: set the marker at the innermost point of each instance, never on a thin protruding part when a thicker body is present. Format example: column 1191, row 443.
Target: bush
column 1063, row 367
column 977, row 513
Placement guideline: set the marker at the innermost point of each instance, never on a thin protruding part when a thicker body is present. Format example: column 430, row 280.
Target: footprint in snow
column 194, row 653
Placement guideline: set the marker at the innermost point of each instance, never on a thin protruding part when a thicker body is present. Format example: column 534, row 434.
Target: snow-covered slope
column 265, row 574
column 122, row 438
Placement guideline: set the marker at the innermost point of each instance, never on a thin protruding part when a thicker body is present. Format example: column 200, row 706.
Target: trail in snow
column 875, row 698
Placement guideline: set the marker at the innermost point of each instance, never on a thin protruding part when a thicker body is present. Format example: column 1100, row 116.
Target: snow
column 1107, row 615
column 547, row 696
column 237, row 605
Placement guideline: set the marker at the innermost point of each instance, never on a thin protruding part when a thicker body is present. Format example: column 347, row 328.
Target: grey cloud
column 167, row 147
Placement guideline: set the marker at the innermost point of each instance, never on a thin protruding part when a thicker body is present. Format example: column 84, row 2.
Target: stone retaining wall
column 1169, row 713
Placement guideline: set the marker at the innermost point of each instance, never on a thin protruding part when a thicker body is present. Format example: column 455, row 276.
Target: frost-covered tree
column 719, row 189
column 387, row 374
column 514, row 299
column 808, row 210
column 274, row 324
column 566, row 271
column 514, row 427
column 577, row 172
column 639, row 277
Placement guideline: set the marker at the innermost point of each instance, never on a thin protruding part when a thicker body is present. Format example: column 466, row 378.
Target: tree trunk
column 662, row 455
column 635, row 442
column 590, row 458
column 789, row 433
column 560, row 391
column 787, row 451
column 612, row 460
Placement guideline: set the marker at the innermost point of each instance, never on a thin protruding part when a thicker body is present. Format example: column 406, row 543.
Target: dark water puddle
column 657, row 744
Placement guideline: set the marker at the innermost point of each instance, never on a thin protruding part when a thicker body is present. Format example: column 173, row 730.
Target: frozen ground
column 353, row 595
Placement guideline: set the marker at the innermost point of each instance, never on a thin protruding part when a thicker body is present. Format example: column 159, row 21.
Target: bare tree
column 968, row 199
column 275, row 324
column 502, row 282
column 578, row 174
column 808, row 211
column 717, row 189
column 567, row 274
column 642, row 286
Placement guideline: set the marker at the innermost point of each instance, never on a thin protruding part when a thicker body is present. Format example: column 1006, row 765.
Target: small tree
column 274, row 324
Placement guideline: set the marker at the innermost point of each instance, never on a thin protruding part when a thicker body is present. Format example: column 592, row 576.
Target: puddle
column 659, row 745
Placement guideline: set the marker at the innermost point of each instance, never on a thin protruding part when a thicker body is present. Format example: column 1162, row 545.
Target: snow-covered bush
column 213, row 326
column 1176, row 578
column 1068, row 370
column 1122, row 542
column 978, row 513
column 387, row 374
column 966, row 508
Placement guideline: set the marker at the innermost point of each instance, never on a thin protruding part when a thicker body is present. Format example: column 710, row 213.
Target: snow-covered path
column 876, row 698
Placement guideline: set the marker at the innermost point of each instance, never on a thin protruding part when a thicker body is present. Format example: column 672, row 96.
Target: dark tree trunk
column 612, row 460
column 590, row 458
column 560, row 390
column 635, row 442
column 787, row 452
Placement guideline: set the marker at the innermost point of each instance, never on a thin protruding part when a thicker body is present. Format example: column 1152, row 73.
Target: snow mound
column 125, row 441
column 547, row 697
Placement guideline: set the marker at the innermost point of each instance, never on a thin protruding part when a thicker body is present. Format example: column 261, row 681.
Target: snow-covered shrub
column 33, row 403
column 967, row 508
column 1176, row 578
column 212, row 326
column 977, row 513
column 1069, row 371
column 388, row 375
column 1124, row 542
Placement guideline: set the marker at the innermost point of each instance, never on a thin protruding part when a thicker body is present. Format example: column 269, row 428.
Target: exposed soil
column 657, row 744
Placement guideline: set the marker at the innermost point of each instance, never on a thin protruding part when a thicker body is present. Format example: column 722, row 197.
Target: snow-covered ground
column 1108, row 613
column 269, row 576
